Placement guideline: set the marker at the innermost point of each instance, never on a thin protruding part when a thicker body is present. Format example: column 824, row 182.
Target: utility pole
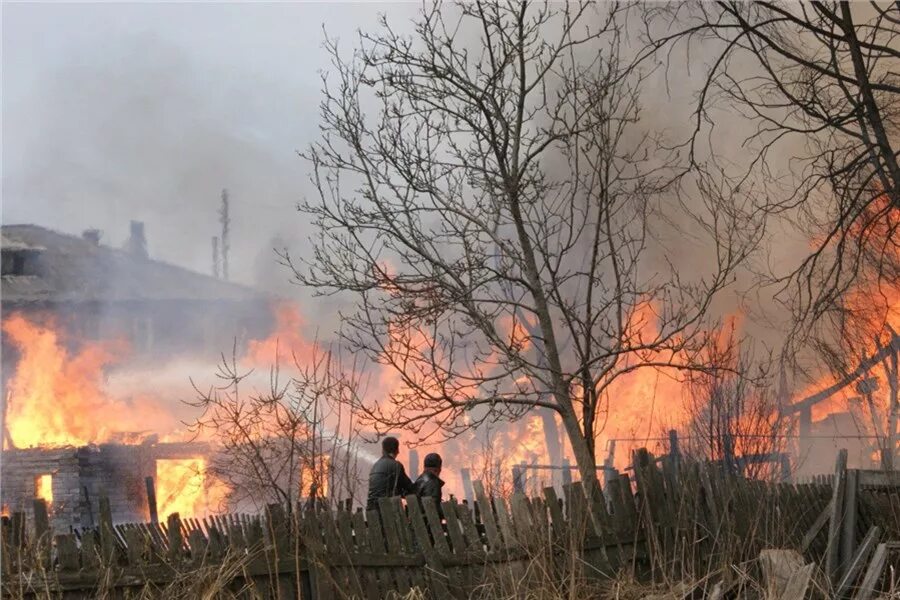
column 225, row 220
column 215, row 256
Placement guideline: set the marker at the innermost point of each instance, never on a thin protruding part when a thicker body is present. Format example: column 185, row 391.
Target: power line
column 755, row 436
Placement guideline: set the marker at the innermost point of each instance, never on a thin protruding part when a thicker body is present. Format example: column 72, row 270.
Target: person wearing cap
column 429, row 482
column 388, row 478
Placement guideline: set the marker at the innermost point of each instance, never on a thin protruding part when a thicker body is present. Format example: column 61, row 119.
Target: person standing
column 388, row 477
column 429, row 482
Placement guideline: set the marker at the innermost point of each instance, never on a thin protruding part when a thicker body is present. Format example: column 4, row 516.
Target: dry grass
column 686, row 559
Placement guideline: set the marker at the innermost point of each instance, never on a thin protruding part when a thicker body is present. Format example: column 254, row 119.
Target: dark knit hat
column 433, row 460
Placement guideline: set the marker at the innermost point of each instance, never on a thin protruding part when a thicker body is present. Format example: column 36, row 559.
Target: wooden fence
column 675, row 517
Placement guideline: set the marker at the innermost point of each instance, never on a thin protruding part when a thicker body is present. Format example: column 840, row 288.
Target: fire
column 871, row 308
column 637, row 405
column 314, row 479
column 57, row 398
column 286, row 341
column 43, row 487
column 528, row 446
column 185, row 487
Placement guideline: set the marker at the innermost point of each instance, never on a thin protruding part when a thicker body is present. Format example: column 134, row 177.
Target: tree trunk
column 551, row 436
column 584, row 458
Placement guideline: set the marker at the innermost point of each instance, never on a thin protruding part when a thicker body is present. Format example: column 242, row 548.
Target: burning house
column 64, row 298
column 859, row 411
column 99, row 292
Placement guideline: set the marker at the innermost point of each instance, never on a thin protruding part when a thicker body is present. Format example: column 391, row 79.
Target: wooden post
column 785, row 468
column 17, row 537
column 566, row 472
column 848, row 533
column 438, row 573
column 67, row 552
column 731, row 466
column 518, row 480
column 804, row 423
column 873, row 573
column 176, row 541
column 467, row 485
column 674, row 450
column 609, row 467
column 832, row 554
column 415, row 467
column 135, row 547
column 42, row 533
column 151, row 500
column 107, row 534
column 858, row 562
column 276, row 520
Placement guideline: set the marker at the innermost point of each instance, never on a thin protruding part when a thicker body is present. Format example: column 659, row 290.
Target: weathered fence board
column 694, row 514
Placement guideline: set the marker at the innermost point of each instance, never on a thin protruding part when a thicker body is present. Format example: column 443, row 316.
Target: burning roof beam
column 891, row 347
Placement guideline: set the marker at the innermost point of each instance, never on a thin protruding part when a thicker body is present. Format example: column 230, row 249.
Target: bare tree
column 287, row 442
column 487, row 192
column 820, row 84
column 733, row 415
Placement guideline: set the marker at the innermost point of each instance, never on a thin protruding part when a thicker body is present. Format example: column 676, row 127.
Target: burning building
column 99, row 292
column 73, row 309
column 72, row 479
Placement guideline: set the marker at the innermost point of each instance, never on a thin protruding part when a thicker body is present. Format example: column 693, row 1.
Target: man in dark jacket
column 429, row 482
column 388, row 477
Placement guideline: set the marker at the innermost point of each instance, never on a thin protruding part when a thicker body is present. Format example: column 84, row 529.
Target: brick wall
column 80, row 476
column 17, row 484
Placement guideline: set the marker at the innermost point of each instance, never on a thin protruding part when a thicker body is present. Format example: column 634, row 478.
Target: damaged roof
column 69, row 268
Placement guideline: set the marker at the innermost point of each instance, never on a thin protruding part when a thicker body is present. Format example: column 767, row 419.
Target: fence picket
column 135, row 548
column 387, row 579
column 486, row 511
column 390, row 520
column 438, row 579
column 67, row 552
column 449, row 550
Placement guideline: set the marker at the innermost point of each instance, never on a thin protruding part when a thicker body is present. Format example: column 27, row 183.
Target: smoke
column 113, row 113
column 120, row 112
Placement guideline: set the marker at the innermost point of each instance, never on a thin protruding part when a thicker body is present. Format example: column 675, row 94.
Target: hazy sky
column 113, row 112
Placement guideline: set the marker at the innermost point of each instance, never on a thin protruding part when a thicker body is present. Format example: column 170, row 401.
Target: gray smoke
column 117, row 112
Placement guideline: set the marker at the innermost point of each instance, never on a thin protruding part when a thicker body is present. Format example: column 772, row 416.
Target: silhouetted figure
column 429, row 482
column 388, row 477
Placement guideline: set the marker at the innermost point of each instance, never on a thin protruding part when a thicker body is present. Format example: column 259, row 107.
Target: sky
column 113, row 112
column 146, row 111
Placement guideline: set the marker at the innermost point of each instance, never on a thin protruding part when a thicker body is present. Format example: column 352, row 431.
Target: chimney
column 92, row 236
column 137, row 242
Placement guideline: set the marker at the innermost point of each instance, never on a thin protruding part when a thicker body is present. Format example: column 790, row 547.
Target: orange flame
column 43, row 487
column 58, row 399
column 285, row 342
column 314, row 479
column 184, row 486
column 871, row 307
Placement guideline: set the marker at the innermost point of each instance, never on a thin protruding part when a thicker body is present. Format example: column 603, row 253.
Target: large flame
column 185, row 487
column 58, row 398
column 871, row 309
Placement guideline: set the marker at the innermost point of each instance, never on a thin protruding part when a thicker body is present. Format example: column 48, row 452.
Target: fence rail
column 680, row 515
